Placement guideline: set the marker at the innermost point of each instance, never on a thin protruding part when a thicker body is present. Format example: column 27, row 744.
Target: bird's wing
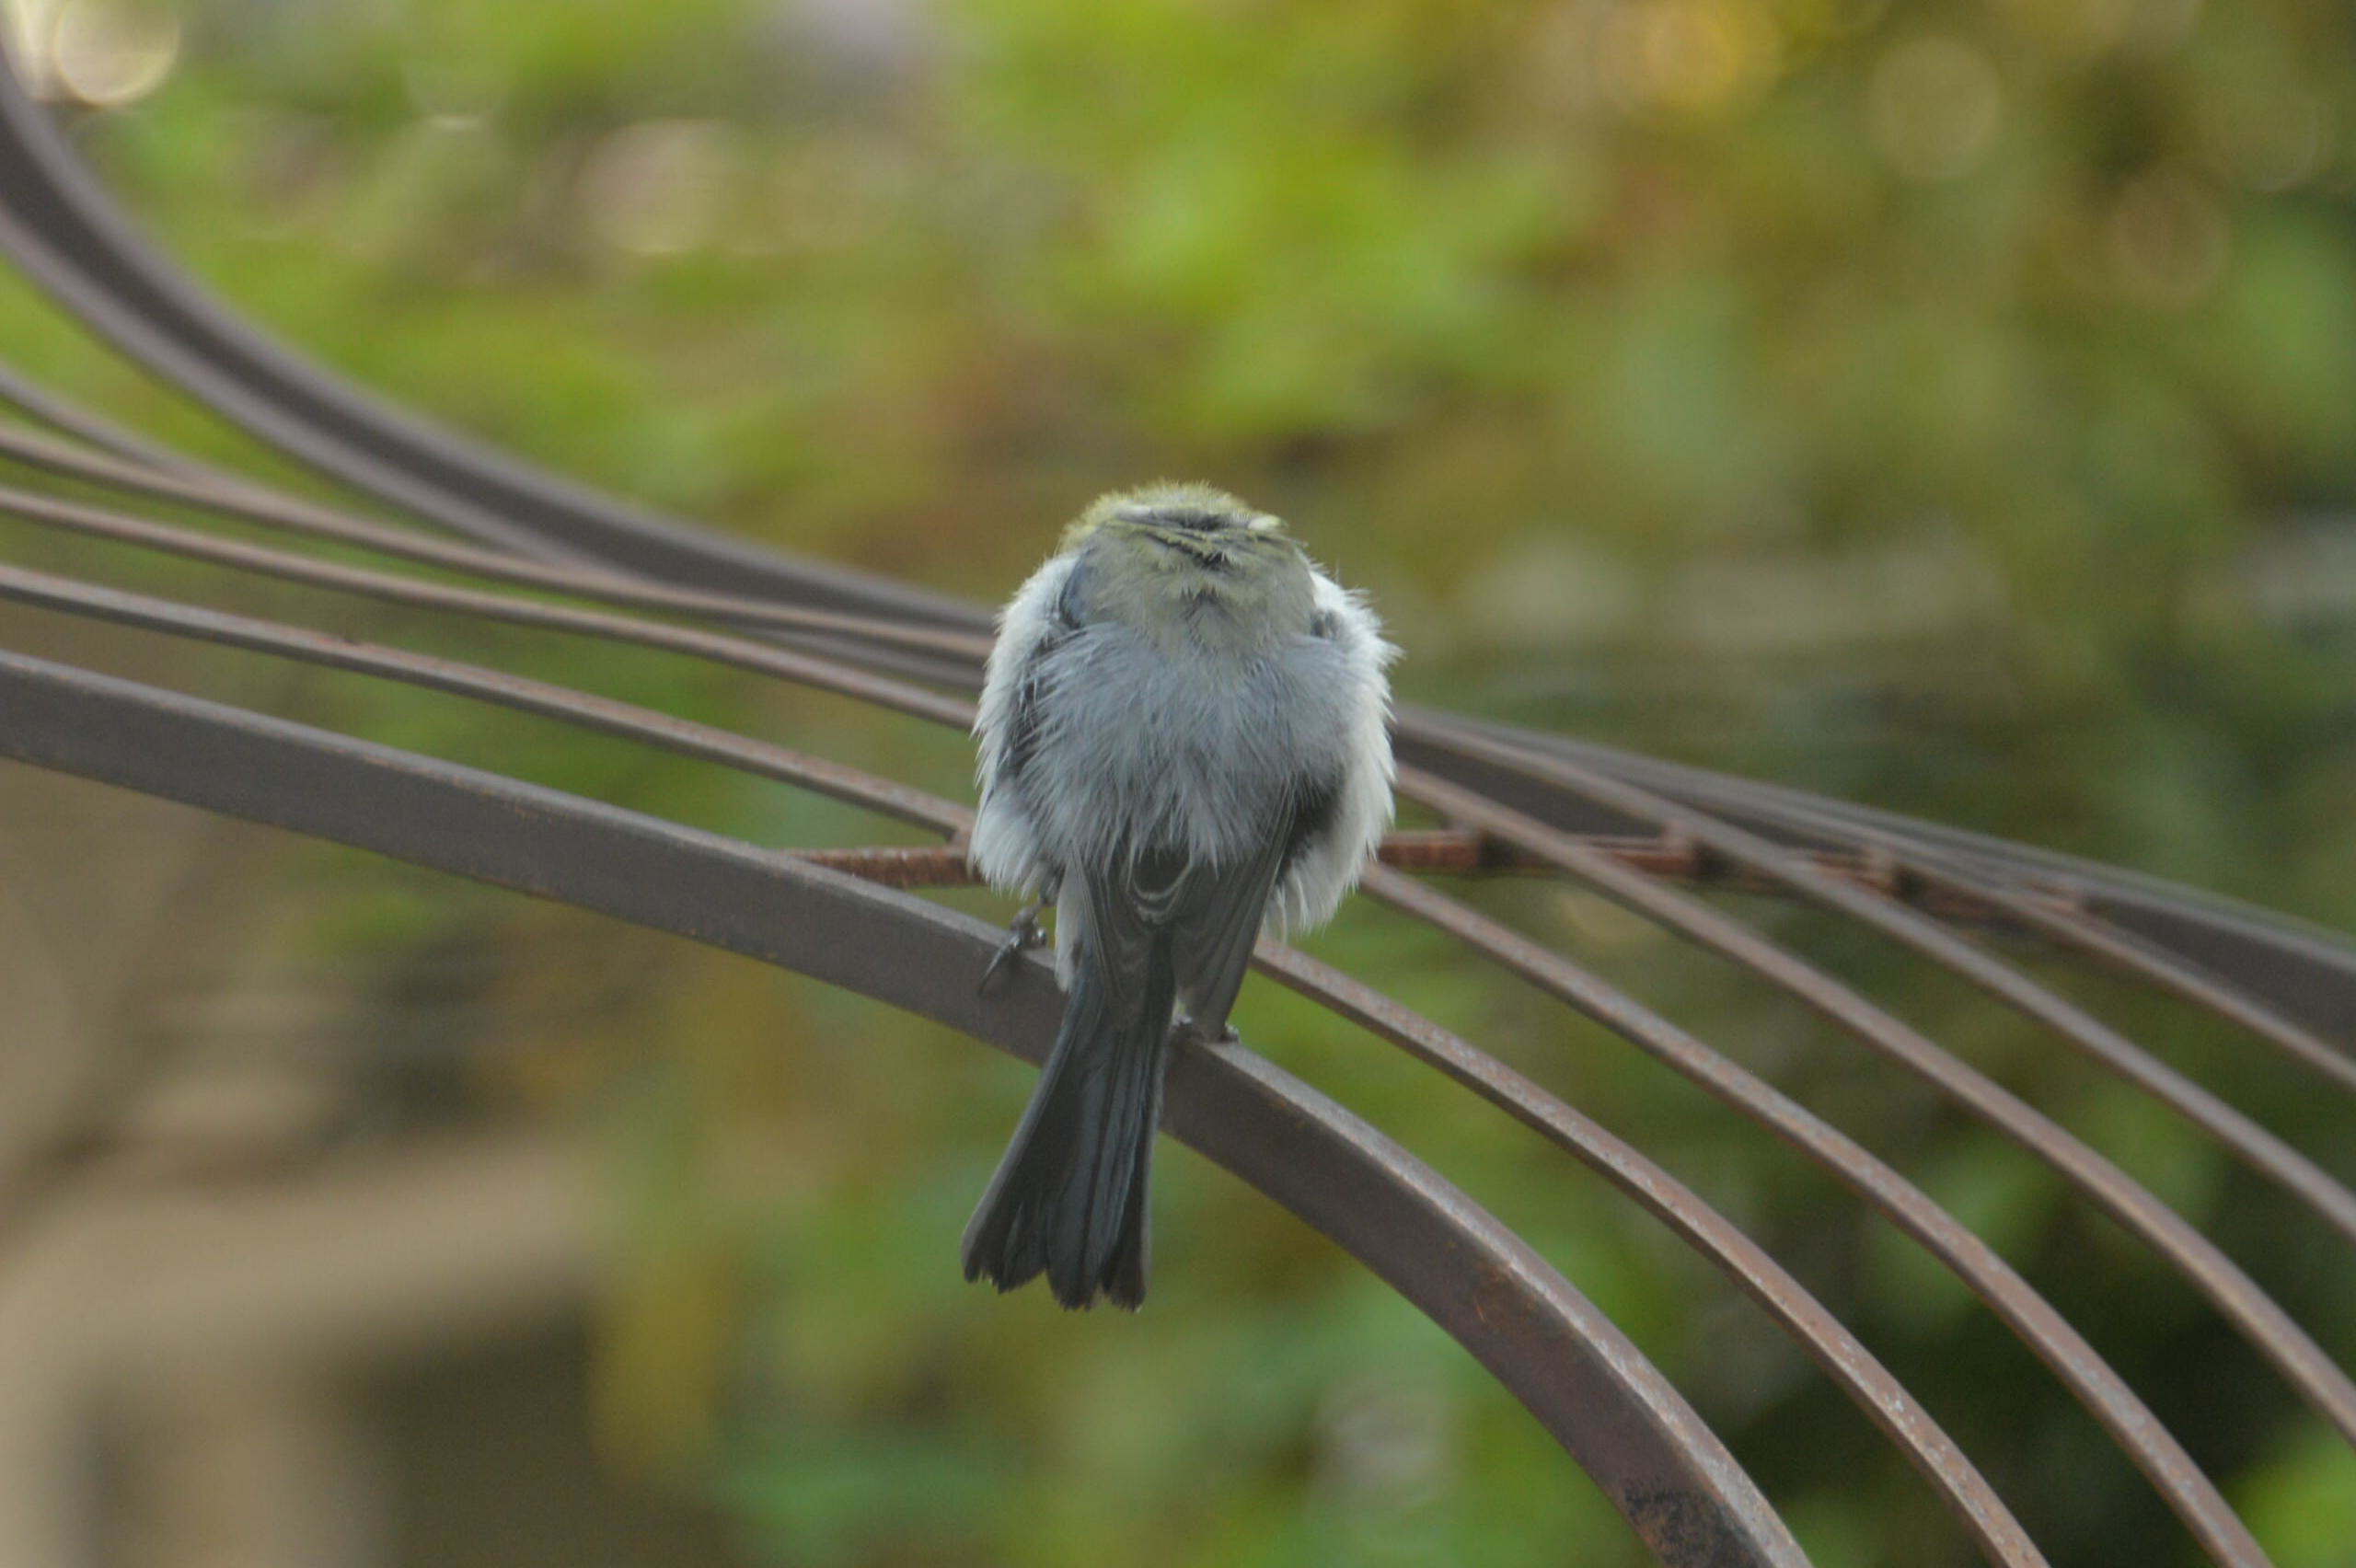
column 1043, row 614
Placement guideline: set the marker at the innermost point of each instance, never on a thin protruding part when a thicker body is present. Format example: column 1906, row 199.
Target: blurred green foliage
column 1949, row 406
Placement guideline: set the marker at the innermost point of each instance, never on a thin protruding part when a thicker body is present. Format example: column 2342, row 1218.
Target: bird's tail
column 1069, row 1198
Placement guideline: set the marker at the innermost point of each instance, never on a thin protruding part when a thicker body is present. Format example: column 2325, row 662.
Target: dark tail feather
column 1069, row 1197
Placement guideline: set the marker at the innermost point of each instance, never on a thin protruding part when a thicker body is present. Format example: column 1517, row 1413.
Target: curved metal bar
column 38, row 403
column 68, row 233
column 2128, row 954
column 63, row 228
column 71, row 238
column 2237, row 1299
column 1675, row 1484
column 228, row 496
column 807, row 669
column 2304, row 969
column 1827, row 1340
column 519, row 693
column 2249, row 1141
column 1966, row 1492
column 2180, row 1484
column 1940, row 871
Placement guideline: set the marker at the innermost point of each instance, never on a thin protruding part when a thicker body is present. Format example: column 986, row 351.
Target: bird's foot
column 1022, row 933
column 1193, row 1030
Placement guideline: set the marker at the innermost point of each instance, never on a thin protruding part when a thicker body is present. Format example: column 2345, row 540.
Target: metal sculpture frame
column 1627, row 827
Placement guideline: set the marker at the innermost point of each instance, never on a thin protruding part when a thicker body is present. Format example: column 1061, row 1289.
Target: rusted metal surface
column 1981, row 1513
column 219, row 493
column 2072, row 925
column 42, row 405
column 1660, row 1466
column 2303, row 971
column 1444, row 853
column 1518, row 803
column 62, row 229
column 886, row 796
column 2254, row 1145
column 1966, row 1491
column 2203, row 1264
column 761, row 658
column 2190, row 1493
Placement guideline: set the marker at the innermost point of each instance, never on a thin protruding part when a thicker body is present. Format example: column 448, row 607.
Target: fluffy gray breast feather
column 1098, row 742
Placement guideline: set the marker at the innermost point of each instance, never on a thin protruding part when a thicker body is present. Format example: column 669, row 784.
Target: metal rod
column 37, row 402
column 2304, row 970
column 2247, row 1139
column 2236, row 1298
column 1828, row 1342
column 2069, row 926
column 62, row 228
column 227, row 496
column 1672, row 1479
column 806, row 669
column 2191, row 1496
column 1928, row 1449
column 887, row 796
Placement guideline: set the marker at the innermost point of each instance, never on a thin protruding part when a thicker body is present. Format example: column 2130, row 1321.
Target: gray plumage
column 1183, row 740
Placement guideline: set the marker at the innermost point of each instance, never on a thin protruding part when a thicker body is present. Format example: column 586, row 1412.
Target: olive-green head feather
column 1169, row 507
column 1187, row 561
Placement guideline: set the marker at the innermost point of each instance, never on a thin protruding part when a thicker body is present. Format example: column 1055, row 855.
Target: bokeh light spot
column 111, row 52
column 1690, row 58
column 1933, row 108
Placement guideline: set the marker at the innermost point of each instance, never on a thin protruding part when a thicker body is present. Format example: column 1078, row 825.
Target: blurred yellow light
column 23, row 27
column 1932, row 107
column 111, row 53
column 1689, row 57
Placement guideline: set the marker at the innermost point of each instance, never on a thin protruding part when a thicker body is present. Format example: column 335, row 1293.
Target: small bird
column 1183, row 739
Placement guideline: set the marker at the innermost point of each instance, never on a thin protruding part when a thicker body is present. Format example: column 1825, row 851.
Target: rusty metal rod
column 2247, row 1139
column 2071, row 926
column 2236, row 1298
column 245, row 501
column 1434, row 852
column 1788, row 1302
column 1454, row 851
column 1437, row 851
column 2153, row 1450
column 838, row 780
column 1823, row 1337
column 1680, row 1490
column 37, row 402
column 806, row 669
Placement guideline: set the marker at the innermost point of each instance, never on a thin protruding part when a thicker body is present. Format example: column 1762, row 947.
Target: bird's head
column 1182, row 557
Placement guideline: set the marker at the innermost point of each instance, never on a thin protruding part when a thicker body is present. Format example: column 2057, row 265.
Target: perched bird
column 1182, row 741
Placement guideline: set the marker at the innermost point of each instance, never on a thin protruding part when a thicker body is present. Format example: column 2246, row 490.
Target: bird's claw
column 1193, row 1030
column 1023, row 932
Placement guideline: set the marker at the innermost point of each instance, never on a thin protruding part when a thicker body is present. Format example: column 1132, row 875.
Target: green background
column 1949, row 407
